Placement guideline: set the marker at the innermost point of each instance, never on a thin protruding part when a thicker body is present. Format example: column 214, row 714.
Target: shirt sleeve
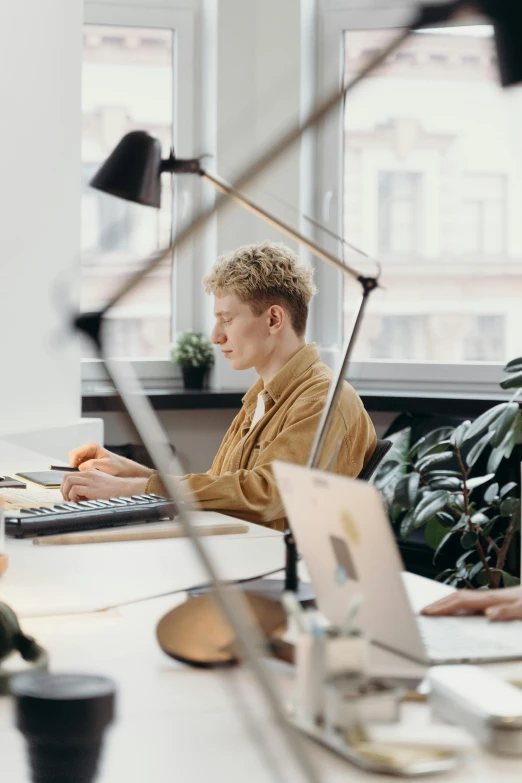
column 252, row 494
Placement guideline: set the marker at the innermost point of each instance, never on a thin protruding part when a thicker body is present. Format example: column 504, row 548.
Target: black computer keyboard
column 87, row 515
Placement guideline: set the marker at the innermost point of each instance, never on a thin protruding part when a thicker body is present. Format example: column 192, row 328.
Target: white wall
column 40, row 46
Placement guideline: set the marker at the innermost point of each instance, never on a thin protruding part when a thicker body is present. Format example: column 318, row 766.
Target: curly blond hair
column 262, row 275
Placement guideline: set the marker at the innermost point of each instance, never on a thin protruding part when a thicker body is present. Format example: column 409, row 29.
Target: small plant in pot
column 434, row 484
column 194, row 354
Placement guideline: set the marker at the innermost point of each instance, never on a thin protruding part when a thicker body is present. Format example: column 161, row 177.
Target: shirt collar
column 297, row 365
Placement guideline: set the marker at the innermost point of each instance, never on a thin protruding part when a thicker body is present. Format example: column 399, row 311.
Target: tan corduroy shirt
column 240, row 481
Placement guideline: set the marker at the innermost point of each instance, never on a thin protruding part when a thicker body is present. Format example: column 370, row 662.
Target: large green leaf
column 407, row 525
column 511, row 439
column 468, row 540
column 446, row 482
column 475, row 452
column 505, row 449
column 475, row 570
column 427, row 441
column 433, row 459
column 506, row 488
column 480, row 519
column 509, row 506
column 513, row 382
column 434, row 533
column 429, row 505
column 473, row 483
column 439, row 473
column 407, row 490
column 491, row 493
column 504, row 423
column 515, row 365
column 509, row 580
column 460, row 434
column 445, row 519
column 483, row 578
column 482, row 423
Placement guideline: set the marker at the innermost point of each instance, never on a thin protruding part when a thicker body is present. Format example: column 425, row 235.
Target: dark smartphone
column 50, row 479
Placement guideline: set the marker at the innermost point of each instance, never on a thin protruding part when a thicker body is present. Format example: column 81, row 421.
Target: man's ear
column 276, row 318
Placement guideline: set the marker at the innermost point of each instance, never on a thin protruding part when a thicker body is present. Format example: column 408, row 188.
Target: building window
column 399, row 212
column 484, row 214
column 485, row 341
column 127, row 84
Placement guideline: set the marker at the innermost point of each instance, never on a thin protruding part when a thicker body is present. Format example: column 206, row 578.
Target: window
column 127, row 85
column 398, row 211
column 483, row 214
column 429, row 190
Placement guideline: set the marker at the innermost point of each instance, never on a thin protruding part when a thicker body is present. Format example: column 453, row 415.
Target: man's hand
column 497, row 605
column 90, row 456
column 95, row 485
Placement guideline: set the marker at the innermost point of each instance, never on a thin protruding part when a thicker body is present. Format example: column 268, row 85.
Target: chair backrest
column 381, row 449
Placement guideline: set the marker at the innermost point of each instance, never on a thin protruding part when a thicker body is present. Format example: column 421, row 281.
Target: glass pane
column 127, row 84
column 432, row 173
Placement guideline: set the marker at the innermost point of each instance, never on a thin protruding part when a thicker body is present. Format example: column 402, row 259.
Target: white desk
column 84, row 578
column 174, row 723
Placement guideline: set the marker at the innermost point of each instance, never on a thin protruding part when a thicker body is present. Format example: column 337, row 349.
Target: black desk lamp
column 138, row 180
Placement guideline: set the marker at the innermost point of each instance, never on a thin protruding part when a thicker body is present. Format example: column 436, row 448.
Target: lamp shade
column 507, row 24
column 132, row 171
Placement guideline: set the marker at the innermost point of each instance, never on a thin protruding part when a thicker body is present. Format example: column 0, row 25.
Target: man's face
column 243, row 337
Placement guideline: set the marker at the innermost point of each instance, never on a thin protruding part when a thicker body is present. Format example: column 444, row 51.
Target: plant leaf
column 478, row 480
column 407, row 525
column 491, row 493
column 485, row 419
column 505, row 489
column 445, row 519
column 480, row 519
column 509, row 580
column 504, row 423
column 446, row 482
column 495, row 458
column 475, row 452
column 468, row 540
column 459, row 435
column 514, row 365
column 513, row 382
column 433, row 459
column 475, row 570
column 429, row 505
column 407, row 490
column 509, row 506
column 434, row 533
column 435, row 436
column 439, row 473
column 483, row 578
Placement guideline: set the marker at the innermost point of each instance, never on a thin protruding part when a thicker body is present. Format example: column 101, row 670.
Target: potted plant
column 431, row 484
column 195, row 355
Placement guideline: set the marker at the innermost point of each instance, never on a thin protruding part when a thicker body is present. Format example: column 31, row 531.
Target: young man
column 261, row 298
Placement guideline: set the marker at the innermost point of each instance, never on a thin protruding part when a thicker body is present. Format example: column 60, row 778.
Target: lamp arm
column 245, row 201
column 369, row 284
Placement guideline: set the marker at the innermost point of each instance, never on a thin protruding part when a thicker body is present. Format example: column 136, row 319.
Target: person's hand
column 95, row 485
column 497, row 605
column 90, row 456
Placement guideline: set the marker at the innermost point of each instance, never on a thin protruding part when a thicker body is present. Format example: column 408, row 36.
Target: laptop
column 346, row 540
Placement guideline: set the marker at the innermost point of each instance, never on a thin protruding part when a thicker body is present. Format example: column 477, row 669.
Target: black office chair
column 381, row 449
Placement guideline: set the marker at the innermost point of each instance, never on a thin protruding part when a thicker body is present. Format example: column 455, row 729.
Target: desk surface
column 174, row 723
column 96, row 576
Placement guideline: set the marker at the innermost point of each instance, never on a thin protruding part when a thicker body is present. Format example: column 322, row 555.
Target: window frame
column 473, row 379
column 192, row 129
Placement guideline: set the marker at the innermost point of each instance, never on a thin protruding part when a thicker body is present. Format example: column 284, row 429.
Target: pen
column 62, row 467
